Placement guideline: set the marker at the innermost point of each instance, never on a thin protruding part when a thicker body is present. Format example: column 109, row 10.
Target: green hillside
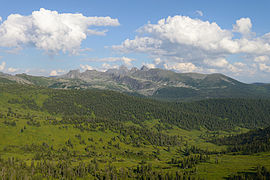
column 235, row 91
column 37, row 80
column 152, row 83
column 88, row 134
column 247, row 143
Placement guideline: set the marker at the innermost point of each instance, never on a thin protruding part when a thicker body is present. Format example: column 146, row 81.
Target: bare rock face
column 133, row 70
column 16, row 79
column 144, row 68
column 73, row 74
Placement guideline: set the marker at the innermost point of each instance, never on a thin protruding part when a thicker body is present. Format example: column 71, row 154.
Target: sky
column 49, row 38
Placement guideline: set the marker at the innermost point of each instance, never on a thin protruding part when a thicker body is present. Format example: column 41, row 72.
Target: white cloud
column 261, row 59
column 243, row 26
column 97, row 33
column 106, row 66
column 56, row 72
column 50, row 30
column 264, row 67
column 222, row 65
column 12, row 70
column 2, row 66
column 127, row 61
column 220, row 62
column 158, row 61
column 53, row 73
column 181, row 67
column 149, row 65
column 86, row 67
column 0, row 18
column 233, row 68
column 182, row 30
column 239, row 64
column 200, row 13
column 182, row 37
column 140, row 44
column 187, row 44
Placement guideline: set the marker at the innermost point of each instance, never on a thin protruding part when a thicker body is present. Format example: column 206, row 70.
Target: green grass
column 13, row 141
column 231, row 164
column 57, row 136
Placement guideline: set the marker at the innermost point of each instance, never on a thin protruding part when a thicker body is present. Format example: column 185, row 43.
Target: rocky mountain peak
column 133, row 70
column 144, row 68
column 73, row 74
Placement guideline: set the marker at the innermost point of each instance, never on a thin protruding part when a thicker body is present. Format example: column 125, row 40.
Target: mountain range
column 66, row 127
column 154, row 83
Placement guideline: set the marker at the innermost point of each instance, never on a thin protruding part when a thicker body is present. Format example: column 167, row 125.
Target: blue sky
column 229, row 37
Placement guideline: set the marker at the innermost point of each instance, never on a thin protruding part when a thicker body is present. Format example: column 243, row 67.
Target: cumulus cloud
column 56, row 72
column 181, row 37
column 86, row 67
column 53, row 73
column 220, row 62
column 12, row 70
column 2, row 66
column 0, row 18
column 185, row 31
column 185, row 44
column 157, row 61
column 51, row 31
column 127, row 61
column 181, row 67
column 239, row 64
column 261, row 59
column 264, row 67
column 200, row 13
column 106, row 66
column 149, row 65
column 140, row 44
column 243, row 26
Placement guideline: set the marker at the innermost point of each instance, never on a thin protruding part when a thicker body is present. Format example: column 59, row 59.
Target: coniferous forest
column 99, row 134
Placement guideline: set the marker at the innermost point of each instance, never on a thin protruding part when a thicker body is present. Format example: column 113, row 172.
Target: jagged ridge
column 157, row 83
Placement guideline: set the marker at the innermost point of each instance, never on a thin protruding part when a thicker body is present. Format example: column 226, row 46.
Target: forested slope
column 213, row 114
column 251, row 142
column 53, row 133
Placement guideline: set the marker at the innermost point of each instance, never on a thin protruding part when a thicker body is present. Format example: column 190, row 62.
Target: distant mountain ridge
column 156, row 83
